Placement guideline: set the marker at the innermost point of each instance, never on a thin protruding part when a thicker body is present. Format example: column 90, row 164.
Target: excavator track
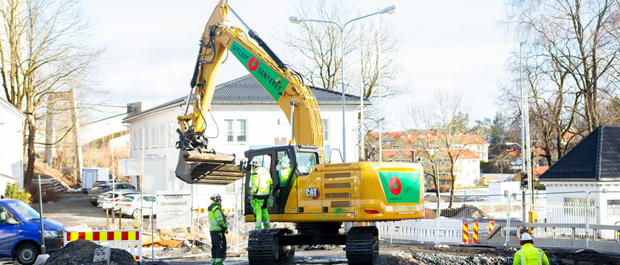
column 362, row 245
column 264, row 247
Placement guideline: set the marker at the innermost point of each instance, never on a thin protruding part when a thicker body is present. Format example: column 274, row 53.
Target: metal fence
column 499, row 219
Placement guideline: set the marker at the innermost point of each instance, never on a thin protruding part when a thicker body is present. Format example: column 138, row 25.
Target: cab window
column 305, row 162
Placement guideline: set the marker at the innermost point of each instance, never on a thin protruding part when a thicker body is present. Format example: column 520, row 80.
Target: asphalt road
column 74, row 209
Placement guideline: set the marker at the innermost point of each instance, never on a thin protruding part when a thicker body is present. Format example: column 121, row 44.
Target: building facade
column 12, row 142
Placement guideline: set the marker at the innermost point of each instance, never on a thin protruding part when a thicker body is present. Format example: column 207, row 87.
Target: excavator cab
column 285, row 164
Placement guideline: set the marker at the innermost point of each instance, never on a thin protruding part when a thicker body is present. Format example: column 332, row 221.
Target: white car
column 130, row 205
column 112, row 198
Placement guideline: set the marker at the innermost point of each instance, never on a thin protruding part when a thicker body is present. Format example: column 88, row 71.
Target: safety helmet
column 526, row 237
column 216, row 197
column 256, row 161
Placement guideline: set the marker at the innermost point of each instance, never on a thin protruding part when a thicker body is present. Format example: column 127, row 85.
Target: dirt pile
column 464, row 212
column 81, row 252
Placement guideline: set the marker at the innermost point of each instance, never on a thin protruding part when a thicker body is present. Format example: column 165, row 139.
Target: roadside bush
column 444, row 188
column 12, row 191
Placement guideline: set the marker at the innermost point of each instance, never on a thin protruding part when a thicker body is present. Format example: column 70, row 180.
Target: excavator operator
column 260, row 191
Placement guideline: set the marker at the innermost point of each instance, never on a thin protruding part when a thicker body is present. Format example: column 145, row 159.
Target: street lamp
column 296, row 20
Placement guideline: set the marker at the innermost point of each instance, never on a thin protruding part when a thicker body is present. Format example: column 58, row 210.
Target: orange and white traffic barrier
column 491, row 226
column 475, row 239
column 465, row 234
column 129, row 240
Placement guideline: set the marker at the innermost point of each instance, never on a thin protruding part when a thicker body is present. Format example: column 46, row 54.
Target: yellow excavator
column 318, row 197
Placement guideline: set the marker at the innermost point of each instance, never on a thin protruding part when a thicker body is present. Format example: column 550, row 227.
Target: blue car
column 20, row 232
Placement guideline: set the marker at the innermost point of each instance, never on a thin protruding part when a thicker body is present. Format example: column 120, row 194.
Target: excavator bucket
column 207, row 168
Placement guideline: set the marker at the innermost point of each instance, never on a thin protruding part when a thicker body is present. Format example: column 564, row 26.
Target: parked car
column 111, row 198
column 94, row 193
column 20, row 232
column 130, row 205
column 106, row 182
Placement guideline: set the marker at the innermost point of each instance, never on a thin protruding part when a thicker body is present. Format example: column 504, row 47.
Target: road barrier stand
column 465, row 234
column 129, row 240
column 475, row 239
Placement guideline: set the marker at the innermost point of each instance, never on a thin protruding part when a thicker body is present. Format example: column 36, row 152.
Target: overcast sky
column 455, row 45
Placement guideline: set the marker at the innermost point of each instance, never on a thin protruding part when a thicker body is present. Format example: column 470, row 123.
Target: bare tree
column 576, row 40
column 370, row 52
column 44, row 48
column 443, row 136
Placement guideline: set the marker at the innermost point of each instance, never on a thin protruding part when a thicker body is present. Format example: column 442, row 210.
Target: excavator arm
column 197, row 163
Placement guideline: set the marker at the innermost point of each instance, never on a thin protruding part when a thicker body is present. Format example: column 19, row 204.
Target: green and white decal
column 273, row 82
column 401, row 187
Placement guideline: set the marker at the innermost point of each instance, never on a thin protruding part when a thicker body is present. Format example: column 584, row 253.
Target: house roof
column 596, row 157
column 246, row 90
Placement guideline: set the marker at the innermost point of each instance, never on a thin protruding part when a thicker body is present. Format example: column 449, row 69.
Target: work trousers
column 218, row 247
column 261, row 213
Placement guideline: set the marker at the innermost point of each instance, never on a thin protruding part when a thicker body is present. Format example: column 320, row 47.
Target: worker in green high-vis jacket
column 260, row 190
column 217, row 228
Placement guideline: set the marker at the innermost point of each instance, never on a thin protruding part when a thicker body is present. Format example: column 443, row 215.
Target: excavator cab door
column 280, row 161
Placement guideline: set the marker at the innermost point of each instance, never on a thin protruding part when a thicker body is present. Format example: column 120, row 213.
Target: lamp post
column 525, row 125
column 523, row 165
column 297, row 20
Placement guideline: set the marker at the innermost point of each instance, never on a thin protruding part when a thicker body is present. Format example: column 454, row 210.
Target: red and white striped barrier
column 491, row 226
column 129, row 240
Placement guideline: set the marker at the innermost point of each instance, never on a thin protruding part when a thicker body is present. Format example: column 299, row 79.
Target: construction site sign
column 173, row 209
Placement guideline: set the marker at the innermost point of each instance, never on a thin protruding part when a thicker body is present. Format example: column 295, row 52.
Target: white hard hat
column 216, row 197
column 256, row 161
column 526, row 236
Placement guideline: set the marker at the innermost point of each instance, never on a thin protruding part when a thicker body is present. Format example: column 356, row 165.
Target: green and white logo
column 401, row 187
column 267, row 77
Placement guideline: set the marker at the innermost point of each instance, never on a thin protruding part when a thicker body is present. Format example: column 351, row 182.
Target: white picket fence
column 423, row 230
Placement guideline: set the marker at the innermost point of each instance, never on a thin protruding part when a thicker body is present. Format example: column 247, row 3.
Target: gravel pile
column 428, row 259
column 81, row 252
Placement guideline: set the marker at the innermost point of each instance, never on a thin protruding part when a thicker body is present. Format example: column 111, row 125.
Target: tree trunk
column 452, row 191
column 32, row 129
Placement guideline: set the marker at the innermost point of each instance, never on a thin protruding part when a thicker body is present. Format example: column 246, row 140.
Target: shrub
column 12, row 191
column 444, row 188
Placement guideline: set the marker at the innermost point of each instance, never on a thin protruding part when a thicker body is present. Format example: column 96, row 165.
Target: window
column 155, row 136
column 613, row 207
column 325, row 130
column 171, row 134
column 305, row 162
column 162, row 136
column 236, row 131
column 230, row 134
column 241, row 136
column 135, row 139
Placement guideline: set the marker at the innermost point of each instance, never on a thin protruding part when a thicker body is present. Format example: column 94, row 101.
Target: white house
column 589, row 172
column 12, row 142
column 243, row 116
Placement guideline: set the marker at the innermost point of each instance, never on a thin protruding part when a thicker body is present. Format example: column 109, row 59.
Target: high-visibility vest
column 217, row 220
column 529, row 255
column 261, row 181
column 285, row 173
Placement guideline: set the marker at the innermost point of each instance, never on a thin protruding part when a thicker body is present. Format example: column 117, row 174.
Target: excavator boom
column 197, row 164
